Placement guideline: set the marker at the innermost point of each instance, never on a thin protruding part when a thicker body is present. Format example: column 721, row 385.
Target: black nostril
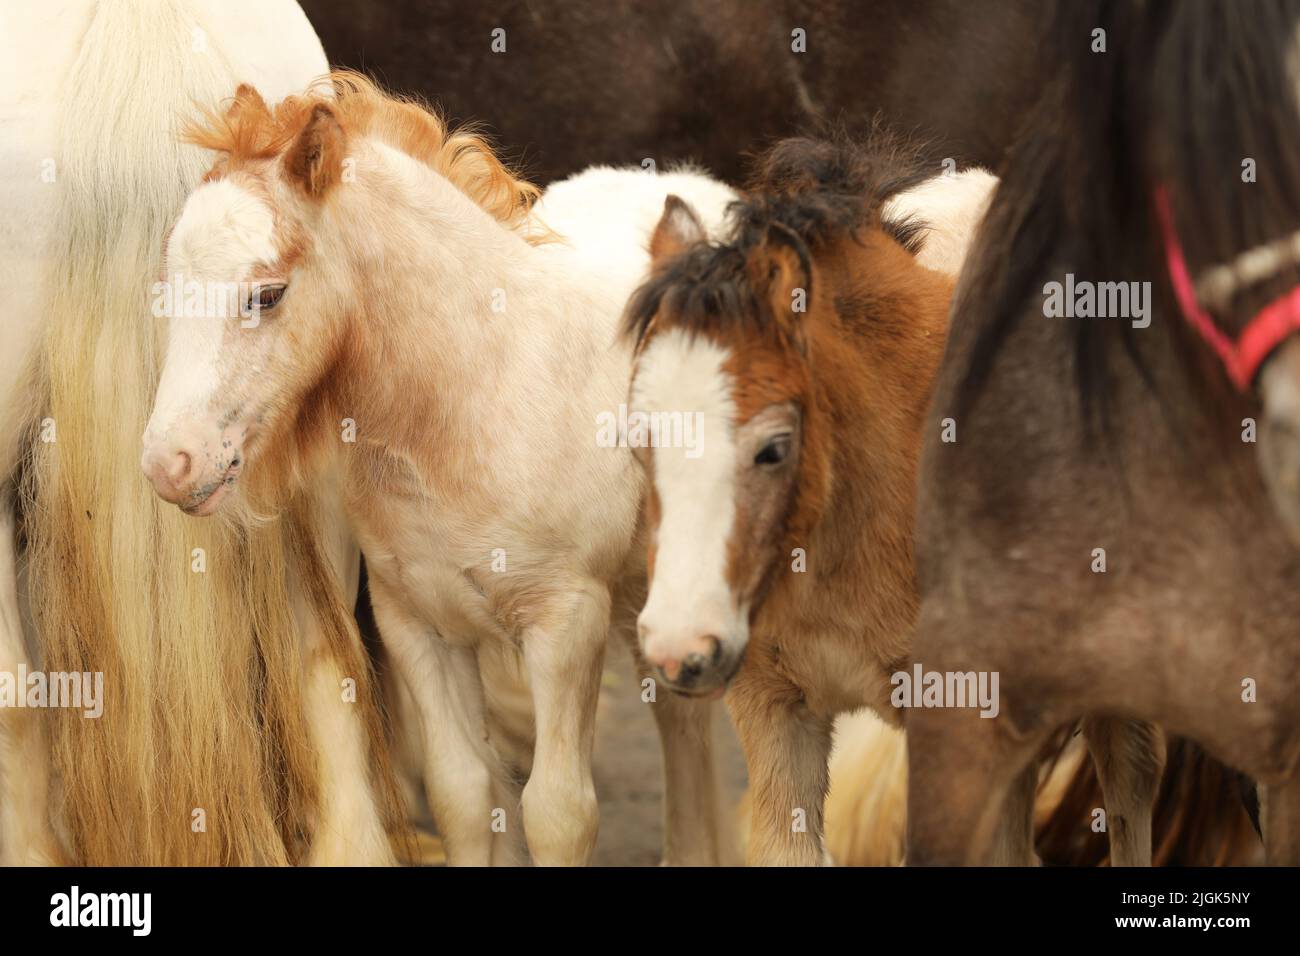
column 693, row 666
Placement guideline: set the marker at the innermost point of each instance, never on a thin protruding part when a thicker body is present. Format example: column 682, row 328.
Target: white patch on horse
column 222, row 233
column 690, row 597
column 951, row 207
column 607, row 215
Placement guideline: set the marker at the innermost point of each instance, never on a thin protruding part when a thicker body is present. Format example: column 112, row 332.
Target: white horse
column 223, row 622
column 393, row 310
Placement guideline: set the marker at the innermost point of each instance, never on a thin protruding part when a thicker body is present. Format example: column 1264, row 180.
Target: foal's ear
column 315, row 160
column 679, row 228
column 782, row 267
column 247, row 100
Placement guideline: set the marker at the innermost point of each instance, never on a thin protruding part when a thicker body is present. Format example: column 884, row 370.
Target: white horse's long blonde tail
column 866, row 809
column 199, row 757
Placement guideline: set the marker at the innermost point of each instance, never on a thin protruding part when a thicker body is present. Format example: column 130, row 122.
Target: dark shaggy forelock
column 804, row 193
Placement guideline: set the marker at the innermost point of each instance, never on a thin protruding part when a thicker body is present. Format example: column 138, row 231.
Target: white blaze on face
column 223, row 231
column 690, row 598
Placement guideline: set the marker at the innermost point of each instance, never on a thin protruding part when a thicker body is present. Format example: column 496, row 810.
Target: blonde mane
column 249, row 131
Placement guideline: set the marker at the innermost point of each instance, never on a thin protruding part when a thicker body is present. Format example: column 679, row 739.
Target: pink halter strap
column 1261, row 336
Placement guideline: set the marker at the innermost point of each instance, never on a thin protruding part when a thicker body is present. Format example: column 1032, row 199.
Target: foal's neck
column 874, row 366
column 445, row 296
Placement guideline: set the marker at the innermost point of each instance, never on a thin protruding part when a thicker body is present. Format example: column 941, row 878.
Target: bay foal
column 782, row 555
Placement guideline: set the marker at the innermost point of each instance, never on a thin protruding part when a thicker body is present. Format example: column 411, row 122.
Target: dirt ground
column 629, row 784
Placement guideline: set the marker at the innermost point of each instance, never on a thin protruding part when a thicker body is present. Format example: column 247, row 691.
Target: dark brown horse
column 1104, row 532
column 622, row 81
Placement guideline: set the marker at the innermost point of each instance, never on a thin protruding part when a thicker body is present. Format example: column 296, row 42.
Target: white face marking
column 203, row 409
column 223, row 231
column 690, row 598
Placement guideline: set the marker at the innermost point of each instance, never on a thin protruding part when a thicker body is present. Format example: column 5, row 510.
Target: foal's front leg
column 969, row 782
column 787, row 749
column 564, row 658
column 463, row 776
column 697, row 829
column 1130, row 757
column 26, row 835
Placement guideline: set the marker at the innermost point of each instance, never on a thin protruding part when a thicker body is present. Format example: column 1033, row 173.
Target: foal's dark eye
column 265, row 297
column 774, row 452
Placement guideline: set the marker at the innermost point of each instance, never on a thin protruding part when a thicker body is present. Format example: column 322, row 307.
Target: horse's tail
column 1200, row 818
column 200, row 755
column 866, row 809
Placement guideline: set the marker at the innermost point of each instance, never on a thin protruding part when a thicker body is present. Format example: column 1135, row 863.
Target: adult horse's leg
column 349, row 827
column 1013, row 840
column 463, row 776
column 1279, row 806
column 563, row 655
column 26, row 835
column 961, row 770
column 1129, row 756
column 787, row 750
column 697, row 829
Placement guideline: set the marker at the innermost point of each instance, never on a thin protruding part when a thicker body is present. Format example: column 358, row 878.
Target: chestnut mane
column 249, row 131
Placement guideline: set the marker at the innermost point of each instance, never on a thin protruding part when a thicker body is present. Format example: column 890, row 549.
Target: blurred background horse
column 1107, row 534
column 621, row 81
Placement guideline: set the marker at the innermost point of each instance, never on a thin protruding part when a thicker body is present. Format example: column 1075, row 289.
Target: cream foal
column 462, row 372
